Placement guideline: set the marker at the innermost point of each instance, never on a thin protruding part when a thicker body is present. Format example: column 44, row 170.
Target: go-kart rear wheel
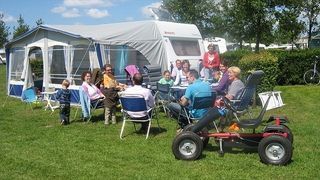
column 275, row 150
column 286, row 129
column 187, row 146
column 205, row 140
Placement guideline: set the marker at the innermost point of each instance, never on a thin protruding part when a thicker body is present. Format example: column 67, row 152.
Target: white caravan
column 219, row 43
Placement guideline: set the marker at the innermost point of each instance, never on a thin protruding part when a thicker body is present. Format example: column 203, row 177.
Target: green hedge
column 233, row 57
column 262, row 61
column 293, row 64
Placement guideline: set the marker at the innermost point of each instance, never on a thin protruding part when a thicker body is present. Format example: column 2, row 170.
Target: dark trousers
column 65, row 112
column 178, row 113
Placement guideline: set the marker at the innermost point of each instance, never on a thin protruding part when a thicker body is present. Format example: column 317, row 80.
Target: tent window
column 186, row 48
column 121, row 56
column 81, row 62
column 58, row 70
column 17, row 58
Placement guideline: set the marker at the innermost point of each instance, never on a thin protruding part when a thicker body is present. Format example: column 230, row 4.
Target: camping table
column 178, row 91
column 47, row 96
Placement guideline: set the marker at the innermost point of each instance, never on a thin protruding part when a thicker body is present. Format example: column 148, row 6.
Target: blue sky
column 75, row 11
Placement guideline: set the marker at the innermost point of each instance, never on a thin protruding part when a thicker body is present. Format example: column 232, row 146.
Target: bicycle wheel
column 311, row 77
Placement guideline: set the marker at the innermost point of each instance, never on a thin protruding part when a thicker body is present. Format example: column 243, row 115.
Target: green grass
column 33, row 145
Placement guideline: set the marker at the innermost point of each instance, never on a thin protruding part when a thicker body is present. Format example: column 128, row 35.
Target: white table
column 47, row 96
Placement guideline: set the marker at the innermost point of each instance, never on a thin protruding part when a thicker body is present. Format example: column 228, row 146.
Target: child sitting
column 64, row 97
column 166, row 78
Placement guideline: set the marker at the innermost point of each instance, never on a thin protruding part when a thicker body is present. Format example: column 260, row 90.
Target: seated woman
column 90, row 89
column 166, row 79
column 181, row 77
column 236, row 85
column 223, row 83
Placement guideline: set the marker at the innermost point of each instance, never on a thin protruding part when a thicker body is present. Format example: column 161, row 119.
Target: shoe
column 62, row 122
column 179, row 130
column 106, row 122
column 234, row 127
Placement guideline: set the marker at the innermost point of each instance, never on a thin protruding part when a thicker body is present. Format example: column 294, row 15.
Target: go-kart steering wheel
column 228, row 103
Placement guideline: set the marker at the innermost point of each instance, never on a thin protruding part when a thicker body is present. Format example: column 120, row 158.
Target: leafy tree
column 22, row 27
column 200, row 12
column 39, row 22
column 289, row 25
column 311, row 10
column 4, row 31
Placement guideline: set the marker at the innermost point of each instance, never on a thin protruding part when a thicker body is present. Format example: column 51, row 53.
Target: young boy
column 64, row 96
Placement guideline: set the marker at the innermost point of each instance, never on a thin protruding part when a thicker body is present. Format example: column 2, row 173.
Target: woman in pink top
column 91, row 90
column 211, row 61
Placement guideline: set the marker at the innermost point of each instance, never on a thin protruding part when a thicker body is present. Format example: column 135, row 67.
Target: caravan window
column 57, row 67
column 17, row 59
column 186, row 47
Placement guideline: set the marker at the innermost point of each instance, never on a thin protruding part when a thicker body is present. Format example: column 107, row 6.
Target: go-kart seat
column 254, row 123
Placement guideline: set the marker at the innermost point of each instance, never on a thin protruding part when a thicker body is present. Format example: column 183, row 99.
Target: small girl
column 64, row 97
column 166, row 79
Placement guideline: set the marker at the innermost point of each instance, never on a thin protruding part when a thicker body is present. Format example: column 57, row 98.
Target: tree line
column 17, row 31
column 259, row 21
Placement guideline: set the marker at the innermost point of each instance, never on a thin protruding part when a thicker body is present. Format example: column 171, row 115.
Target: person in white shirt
column 176, row 69
column 181, row 78
column 137, row 89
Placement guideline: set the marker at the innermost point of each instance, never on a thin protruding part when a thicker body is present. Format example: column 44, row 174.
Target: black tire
column 286, row 129
column 310, row 77
column 275, row 150
column 205, row 140
column 187, row 146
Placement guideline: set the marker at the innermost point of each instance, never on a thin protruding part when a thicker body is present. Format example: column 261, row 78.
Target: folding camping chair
column 87, row 106
column 154, row 75
column 131, row 70
column 163, row 96
column 200, row 101
column 30, row 97
column 242, row 104
column 135, row 103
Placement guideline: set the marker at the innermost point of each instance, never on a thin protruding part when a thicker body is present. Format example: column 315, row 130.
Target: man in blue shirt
column 196, row 88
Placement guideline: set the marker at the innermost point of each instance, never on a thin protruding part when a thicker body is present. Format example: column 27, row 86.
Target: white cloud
column 88, row 3
column 71, row 13
column 58, row 9
column 146, row 12
column 96, row 13
column 7, row 18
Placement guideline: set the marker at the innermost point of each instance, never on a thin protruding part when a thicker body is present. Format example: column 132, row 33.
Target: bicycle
column 312, row 76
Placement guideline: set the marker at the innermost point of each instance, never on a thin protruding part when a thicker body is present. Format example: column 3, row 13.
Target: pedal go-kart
column 274, row 143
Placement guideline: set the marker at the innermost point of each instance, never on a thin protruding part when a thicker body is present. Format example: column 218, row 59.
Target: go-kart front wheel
column 187, row 146
column 275, row 150
column 205, row 140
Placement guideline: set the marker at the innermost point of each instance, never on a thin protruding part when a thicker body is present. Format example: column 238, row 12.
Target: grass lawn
column 33, row 145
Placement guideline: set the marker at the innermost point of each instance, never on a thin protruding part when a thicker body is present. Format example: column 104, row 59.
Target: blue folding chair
column 201, row 100
column 87, row 106
column 29, row 97
column 242, row 104
column 135, row 103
